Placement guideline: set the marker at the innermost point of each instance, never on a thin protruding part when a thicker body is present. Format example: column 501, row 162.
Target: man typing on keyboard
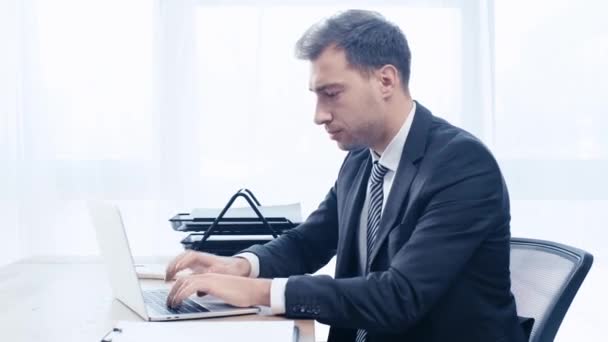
column 418, row 216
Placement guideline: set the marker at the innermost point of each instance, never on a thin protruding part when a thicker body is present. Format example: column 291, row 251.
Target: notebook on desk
column 149, row 304
column 278, row 331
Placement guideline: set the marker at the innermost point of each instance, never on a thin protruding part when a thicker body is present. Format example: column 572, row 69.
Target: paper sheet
column 292, row 212
column 197, row 331
column 150, row 271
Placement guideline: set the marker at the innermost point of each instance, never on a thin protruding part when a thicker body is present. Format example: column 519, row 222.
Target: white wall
column 10, row 244
column 158, row 114
column 550, row 137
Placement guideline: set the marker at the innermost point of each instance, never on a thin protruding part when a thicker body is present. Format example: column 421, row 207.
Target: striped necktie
column 376, row 197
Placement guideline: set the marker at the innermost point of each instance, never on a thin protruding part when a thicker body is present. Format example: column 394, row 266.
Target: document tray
column 226, row 236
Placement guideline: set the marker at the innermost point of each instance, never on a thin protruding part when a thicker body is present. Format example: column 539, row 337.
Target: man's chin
column 344, row 146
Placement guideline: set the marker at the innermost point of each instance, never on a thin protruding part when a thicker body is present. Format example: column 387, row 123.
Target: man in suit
column 418, row 216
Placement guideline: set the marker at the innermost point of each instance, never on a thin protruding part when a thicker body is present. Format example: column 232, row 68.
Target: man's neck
column 397, row 115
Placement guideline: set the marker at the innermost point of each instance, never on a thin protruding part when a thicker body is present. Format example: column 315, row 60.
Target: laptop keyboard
column 157, row 300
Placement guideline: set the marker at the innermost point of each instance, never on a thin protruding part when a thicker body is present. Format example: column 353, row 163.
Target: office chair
column 545, row 276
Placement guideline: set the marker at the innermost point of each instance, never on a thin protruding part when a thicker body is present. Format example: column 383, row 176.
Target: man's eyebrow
column 326, row 86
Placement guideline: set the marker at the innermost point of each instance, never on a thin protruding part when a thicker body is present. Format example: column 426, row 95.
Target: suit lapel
column 407, row 169
column 352, row 211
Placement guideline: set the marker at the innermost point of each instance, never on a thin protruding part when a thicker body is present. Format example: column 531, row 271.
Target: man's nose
column 322, row 115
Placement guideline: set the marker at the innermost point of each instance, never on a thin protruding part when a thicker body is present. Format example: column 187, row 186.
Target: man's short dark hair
column 367, row 38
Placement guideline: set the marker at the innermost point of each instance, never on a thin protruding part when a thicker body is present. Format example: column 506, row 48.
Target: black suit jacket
column 440, row 267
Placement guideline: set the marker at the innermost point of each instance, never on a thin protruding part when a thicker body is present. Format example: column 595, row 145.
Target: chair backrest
column 545, row 276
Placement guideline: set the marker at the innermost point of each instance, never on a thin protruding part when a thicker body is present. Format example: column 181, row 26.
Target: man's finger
column 182, row 262
column 178, row 284
column 191, row 286
column 183, row 293
column 170, row 271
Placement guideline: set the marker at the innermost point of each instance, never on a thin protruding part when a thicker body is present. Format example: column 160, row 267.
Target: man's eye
column 331, row 95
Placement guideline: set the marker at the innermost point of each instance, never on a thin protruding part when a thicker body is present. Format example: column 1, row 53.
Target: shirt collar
column 392, row 154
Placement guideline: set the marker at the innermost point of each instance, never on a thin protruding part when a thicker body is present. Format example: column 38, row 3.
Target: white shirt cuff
column 277, row 296
column 254, row 263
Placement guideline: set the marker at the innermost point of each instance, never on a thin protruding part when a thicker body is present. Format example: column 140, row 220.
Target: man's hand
column 200, row 262
column 234, row 290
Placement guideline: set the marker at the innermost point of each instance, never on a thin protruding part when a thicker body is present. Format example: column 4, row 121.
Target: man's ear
column 388, row 77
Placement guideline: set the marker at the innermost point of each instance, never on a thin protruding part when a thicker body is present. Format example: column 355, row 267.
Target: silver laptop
column 150, row 304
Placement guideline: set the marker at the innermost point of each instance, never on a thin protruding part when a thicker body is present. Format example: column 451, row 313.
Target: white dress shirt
column 390, row 158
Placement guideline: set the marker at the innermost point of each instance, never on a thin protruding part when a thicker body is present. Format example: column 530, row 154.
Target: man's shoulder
column 454, row 155
column 445, row 137
column 431, row 134
column 449, row 147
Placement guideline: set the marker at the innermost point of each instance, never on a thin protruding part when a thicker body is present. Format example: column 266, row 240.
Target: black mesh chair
column 545, row 276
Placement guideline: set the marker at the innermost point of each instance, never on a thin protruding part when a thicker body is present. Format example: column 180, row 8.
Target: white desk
column 45, row 301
